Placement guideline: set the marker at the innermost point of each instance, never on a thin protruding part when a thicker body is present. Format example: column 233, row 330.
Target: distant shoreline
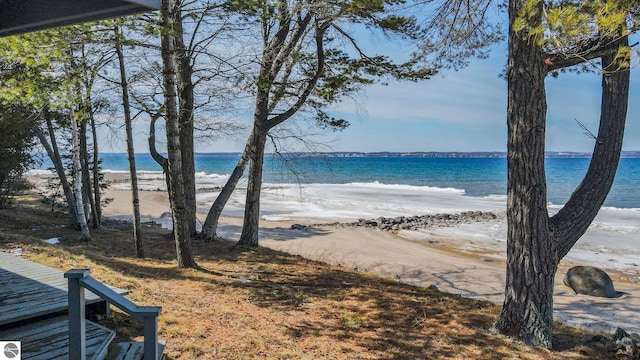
column 432, row 154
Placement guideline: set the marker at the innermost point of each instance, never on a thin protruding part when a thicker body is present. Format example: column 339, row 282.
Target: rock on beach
column 420, row 221
column 592, row 281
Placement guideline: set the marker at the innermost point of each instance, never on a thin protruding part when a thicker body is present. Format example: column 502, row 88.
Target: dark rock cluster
column 621, row 343
column 208, row 189
column 416, row 222
column 116, row 224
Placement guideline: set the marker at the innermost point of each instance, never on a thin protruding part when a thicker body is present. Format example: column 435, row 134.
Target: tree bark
column 210, row 227
column 96, row 170
column 186, row 121
column 77, row 177
column 251, row 224
column 571, row 222
column 87, row 194
column 133, row 175
column 178, row 205
column 527, row 312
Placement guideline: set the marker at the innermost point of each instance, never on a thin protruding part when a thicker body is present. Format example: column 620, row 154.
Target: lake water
column 476, row 175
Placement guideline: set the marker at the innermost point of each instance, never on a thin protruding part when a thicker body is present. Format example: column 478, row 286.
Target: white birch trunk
column 77, row 178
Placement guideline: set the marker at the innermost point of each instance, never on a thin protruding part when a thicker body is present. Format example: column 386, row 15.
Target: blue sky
column 454, row 111
column 466, row 111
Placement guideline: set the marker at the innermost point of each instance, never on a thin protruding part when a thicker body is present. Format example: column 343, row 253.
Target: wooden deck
column 33, row 310
column 29, row 290
column 49, row 339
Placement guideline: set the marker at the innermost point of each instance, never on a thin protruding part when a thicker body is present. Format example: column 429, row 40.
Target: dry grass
column 258, row 303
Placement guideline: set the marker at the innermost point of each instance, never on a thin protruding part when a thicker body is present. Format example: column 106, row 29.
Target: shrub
column 16, row 142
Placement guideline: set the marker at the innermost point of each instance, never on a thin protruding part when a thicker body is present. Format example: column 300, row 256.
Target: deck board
column 49, row 339
column 29, row 290
column 133, row 350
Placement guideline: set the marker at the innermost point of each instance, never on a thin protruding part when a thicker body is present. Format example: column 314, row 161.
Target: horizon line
column 635, row 153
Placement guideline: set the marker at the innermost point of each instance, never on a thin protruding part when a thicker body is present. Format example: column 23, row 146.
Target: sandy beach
column 447, row 259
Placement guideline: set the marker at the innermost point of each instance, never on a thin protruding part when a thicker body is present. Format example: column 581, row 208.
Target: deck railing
column 79, row 280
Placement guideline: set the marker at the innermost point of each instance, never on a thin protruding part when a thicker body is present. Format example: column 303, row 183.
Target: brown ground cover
column 259, row 303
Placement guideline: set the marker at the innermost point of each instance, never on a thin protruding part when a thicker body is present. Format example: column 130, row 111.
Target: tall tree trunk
column 54, row 154
column 87, row 194
column 535, row 243
column 133, row 175
column 178, row 206
column 251, row 225
column 571, row 222
column 527, row 312
column 186, row 121
column 77, row 177
column 210, row 227
column 96, row 169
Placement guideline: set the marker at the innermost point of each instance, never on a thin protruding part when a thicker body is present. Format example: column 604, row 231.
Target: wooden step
column 48, row 339
column 131, row 351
